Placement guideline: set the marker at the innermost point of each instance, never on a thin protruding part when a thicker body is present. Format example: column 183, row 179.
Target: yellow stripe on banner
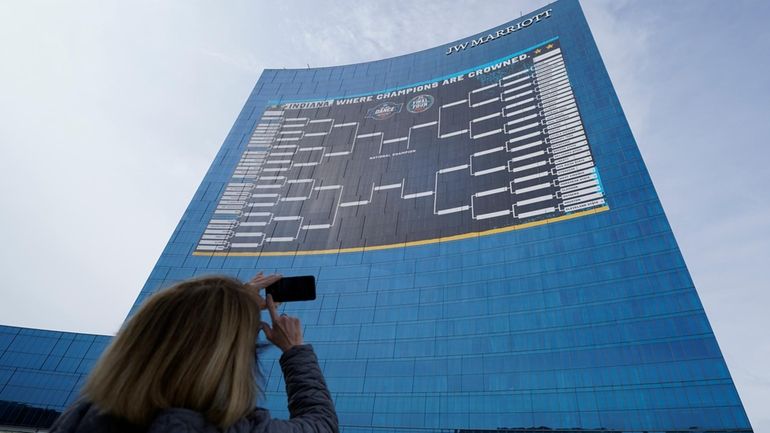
column 411, row 243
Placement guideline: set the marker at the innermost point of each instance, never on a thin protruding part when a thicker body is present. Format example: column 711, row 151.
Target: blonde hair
column 192, row 345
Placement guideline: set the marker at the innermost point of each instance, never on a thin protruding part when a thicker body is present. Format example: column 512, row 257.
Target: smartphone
column 290, row 289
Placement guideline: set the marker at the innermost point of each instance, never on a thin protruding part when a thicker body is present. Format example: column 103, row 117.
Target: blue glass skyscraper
column 489, row 247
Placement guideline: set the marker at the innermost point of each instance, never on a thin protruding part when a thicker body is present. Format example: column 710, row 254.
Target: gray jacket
column 310, row 408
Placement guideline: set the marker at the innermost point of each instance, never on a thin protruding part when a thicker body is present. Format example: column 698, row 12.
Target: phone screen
column 291, row 289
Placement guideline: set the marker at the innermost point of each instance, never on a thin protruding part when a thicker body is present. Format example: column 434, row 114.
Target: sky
column 111, row 111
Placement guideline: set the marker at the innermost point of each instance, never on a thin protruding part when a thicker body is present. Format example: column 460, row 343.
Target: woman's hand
column 258, row 283
column 286, row 331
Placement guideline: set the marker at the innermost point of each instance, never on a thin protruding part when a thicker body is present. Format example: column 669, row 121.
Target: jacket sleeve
column 310, row 404
column 70, row 419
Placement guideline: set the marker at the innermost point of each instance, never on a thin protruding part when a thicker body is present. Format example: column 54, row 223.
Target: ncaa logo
column 384, row 111
column 419, row 103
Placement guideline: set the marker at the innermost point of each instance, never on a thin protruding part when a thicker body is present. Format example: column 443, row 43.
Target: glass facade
column 489, row 249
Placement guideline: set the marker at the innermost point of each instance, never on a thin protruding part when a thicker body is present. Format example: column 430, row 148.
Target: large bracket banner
column 495, row 148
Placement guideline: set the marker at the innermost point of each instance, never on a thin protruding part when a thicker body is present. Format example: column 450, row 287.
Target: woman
column 185, row 362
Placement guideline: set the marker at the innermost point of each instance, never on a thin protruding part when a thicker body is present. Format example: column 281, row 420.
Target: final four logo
column 419, row 103
column 384, row 111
